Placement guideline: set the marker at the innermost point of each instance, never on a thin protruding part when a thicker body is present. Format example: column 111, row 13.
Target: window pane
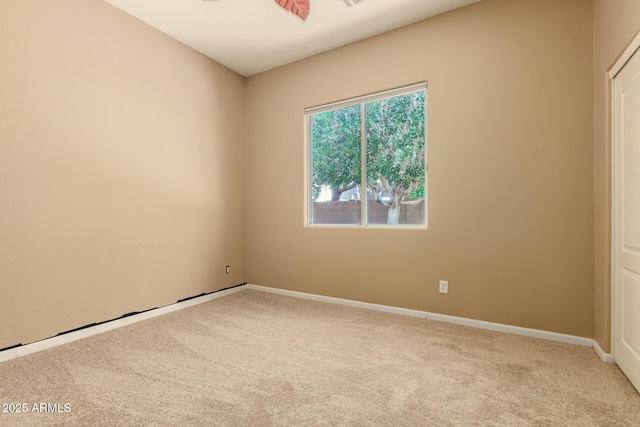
column 396, row 160
column 392, row 180
column 335, row 166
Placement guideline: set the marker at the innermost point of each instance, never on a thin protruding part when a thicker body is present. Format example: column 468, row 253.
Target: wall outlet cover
column 444, row 287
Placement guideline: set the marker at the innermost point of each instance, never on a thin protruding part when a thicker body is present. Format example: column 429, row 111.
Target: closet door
column 626, row 215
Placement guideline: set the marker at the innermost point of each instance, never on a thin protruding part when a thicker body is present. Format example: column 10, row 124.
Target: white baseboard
column 332, row 300
column 57, row 340
column 605, row 357
column 118, row 323
column 498, row 327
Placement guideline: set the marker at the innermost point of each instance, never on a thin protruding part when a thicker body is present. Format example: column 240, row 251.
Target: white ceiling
column 251, row 36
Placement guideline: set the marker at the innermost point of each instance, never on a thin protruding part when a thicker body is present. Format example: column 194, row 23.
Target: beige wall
column 124, row 156
column 510, row 146
column 616, row 22
column 121, row 168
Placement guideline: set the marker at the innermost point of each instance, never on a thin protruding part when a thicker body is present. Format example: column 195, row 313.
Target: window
column 367, row 163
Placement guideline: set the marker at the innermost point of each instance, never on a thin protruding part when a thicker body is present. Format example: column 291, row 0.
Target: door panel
column 630, row 292
column 630, row 114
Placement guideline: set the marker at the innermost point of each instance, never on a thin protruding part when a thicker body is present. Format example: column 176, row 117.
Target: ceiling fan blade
column 299, row 8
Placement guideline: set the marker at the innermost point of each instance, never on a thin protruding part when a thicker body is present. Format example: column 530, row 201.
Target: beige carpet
column 254, row 359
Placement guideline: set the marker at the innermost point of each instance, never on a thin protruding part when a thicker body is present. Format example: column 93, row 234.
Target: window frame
column 308, row 153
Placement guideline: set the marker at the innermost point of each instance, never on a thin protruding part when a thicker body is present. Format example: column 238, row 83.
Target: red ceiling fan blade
column 299, row 8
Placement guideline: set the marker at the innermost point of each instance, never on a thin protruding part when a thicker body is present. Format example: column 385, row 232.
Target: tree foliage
column 396, row 147
column 336, row 143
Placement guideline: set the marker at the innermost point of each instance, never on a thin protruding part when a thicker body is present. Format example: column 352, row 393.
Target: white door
column 626, row 216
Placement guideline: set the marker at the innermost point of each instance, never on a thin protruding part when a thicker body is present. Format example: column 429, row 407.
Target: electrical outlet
column 227, row 269
column 444, row 287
